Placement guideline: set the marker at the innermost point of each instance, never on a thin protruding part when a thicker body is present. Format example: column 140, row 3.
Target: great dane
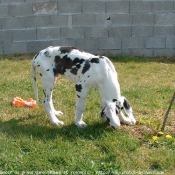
column 87, row 71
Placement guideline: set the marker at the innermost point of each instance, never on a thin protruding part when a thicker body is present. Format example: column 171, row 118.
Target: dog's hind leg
column 80, row 105
column 48, row 81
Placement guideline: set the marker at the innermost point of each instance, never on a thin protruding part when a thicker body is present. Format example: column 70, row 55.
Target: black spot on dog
column 114, row 100
column 66, row 49
column 95, row 60
column 62, row 64
column 78, row 66
column 44, row 93
column 34, row 78
column 86, row 66
column 76, row 60
column 46, row 53
column 74, row 71
column 38, row 65
column 41, row 74
column 78, row 87
column 126, row 104
column 47, row 69
column 58, row 69
column 36, row 56
column 78, row 96
column 81, row 61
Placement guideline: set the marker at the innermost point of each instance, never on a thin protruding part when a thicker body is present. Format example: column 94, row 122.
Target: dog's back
column 70, row 62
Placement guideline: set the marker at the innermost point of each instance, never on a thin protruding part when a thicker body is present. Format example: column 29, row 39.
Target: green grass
column 30, row 144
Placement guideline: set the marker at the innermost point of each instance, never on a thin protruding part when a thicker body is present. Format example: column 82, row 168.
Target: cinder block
column 36, row 46
column 109, row 43
column 32, row 1
column 48, row 33
column 120, row 32
column 56, row 42
column 13, row 23
column 155, row 43
column 16, row 47
column 20, row 9
column 12, row 1
column 121, row 52
column 24, row 34
column 95, row 32
column 83, row 20
column 68, row 42
column 121, row 19
column 93, row 7
column 69, row 6
column 59, row 20
column 165, row 19
column 40, row 8
column 6, row 36
column 170, row 42
column 76, row 33
column 142, row 31
column 117, row 7
column 3, row 10
column 163, row 6
column 89, row 45
column 164, row 30
column 132, row 43
column 37, row 21
column 1, row 48
column 140, row 6
column 142, row 52
column 164, row 52
column 143, row 19
column 101, row 19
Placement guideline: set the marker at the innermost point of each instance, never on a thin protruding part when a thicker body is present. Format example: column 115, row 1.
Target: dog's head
column 110, row 113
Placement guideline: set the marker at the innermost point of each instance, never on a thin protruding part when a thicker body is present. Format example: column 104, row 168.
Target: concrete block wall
column 129, row 27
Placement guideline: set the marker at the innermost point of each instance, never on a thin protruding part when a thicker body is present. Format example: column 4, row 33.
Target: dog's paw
column 57, row 122
column 130, row 121
column 58, row 113
column 133, row 121
column 81, row 124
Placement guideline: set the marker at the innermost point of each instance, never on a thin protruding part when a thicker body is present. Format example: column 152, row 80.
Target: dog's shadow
column 25, row 127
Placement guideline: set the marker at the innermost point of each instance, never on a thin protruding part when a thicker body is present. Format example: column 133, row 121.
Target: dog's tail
column 33, row 73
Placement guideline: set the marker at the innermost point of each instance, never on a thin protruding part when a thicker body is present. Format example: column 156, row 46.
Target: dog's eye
column 102, row 113
column 108, row 120
column 117, row 111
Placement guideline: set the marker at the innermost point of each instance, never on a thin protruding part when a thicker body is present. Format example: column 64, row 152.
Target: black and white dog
column 86, row 71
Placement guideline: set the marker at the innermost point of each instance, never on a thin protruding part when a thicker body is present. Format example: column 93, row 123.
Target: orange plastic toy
column 20, row 102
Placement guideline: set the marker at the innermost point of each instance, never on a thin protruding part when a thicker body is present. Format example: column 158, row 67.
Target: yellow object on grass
column 154, row 138
column 168, row 136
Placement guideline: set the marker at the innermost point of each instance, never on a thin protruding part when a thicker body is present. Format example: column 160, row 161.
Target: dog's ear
column 126, row 104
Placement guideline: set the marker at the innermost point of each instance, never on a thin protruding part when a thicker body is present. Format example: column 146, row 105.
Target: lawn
column 29, row 144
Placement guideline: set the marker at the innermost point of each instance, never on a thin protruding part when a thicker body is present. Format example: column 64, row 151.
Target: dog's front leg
column 80, row 105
